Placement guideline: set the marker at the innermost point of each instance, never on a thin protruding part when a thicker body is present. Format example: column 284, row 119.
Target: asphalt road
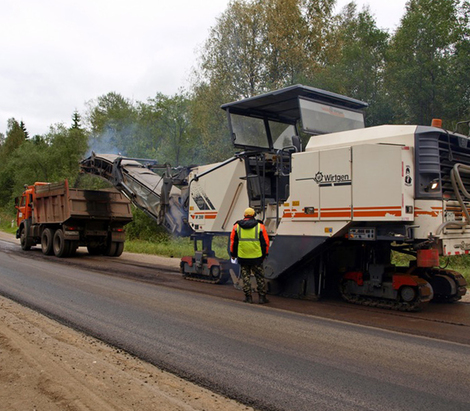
column 269, row 358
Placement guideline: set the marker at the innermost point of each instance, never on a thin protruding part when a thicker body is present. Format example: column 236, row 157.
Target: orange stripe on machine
column 377, row 211
column 434, row 213
column 209, row 215
column 345, row 212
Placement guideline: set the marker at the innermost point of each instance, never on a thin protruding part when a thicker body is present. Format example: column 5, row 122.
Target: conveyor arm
column 153, row 193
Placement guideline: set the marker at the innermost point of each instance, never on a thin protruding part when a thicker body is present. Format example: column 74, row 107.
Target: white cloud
column 57, row 54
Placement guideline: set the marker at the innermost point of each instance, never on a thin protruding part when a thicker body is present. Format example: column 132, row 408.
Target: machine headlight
column 433, row 185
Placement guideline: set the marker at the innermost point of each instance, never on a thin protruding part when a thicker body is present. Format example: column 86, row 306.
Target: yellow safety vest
column 249, row 245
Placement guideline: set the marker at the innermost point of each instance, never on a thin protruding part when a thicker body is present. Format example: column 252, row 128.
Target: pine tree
column 76, row 121
column 23, row 127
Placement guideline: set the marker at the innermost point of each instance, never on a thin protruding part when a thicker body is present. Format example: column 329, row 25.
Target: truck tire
column 119, row 249
column 60, row 245
column 47, row 239
column 25, row 244
column 110, row 249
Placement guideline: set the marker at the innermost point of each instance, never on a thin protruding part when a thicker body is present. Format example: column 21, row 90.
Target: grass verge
column 459, row 263
column 7, row 222
column 173, row 246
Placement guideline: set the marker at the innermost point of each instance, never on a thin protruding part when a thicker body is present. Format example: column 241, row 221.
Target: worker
column 249, row 242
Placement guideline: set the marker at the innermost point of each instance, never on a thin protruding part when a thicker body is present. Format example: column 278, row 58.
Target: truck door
column 21, row 207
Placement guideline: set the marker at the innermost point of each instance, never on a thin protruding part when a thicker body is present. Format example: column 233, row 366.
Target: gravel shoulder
column 47, row 366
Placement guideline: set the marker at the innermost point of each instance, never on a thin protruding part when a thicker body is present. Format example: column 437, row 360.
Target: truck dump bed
column 56, row 203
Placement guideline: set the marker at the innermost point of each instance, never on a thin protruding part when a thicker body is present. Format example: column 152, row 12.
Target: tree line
column 418, row 72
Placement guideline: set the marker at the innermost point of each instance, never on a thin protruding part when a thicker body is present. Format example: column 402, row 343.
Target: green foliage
column 176, row 143
column 177, row 247
column 145, row 228
column 16, row 136
column 459, row 263
column 173, row 246
column 7, row 182
column 91, row 182
column 7, row 220
column 76, row 120
column 356, row 69
column 262, row 45
column 49, row 158
column 112, row 122
column 427, row 70
column 211, row 123
column 160, row 128
column 146, row 237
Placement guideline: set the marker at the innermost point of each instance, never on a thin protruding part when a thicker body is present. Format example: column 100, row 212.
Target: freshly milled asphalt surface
column 266, row 357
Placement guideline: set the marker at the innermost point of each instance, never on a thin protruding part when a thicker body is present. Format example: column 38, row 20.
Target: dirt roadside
column 45, row 366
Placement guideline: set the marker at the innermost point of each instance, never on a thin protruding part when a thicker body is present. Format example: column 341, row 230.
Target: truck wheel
column 119, row 249
column 47, row 238
column 60, row 245
column 25, row 245
column 110, row 249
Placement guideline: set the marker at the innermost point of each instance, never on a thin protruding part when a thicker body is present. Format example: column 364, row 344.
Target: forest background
column 418, row 72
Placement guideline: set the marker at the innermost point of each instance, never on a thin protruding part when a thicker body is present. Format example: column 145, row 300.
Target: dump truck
column 61, row 219
column 335, row 210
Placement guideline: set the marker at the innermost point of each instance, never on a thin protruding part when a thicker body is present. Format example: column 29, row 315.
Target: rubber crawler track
column 206, row 279
column 201, row 278
column 414, row 306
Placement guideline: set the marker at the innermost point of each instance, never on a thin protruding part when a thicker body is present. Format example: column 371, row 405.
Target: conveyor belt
column 149, row 191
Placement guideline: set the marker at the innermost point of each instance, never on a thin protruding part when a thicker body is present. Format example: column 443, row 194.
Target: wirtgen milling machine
column 334, row 211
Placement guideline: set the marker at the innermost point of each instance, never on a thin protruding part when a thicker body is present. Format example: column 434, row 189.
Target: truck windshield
column 251, row 132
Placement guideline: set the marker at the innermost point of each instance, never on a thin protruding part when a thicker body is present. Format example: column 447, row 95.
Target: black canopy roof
column 283, row 103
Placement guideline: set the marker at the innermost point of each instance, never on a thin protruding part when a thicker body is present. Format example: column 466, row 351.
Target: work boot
column 248, row 299
column 263, row 299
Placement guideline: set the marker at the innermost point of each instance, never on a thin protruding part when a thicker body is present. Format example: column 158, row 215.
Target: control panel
column 362, row 234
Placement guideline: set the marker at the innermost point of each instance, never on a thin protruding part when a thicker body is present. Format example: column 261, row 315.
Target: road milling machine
column 334, row 210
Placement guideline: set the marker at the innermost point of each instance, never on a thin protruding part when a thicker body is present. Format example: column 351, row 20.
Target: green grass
column 459, row 263
column 6, row 222
column 173, row 246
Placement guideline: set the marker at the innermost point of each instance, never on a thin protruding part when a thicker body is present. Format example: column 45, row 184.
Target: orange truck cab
column 23, row 205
